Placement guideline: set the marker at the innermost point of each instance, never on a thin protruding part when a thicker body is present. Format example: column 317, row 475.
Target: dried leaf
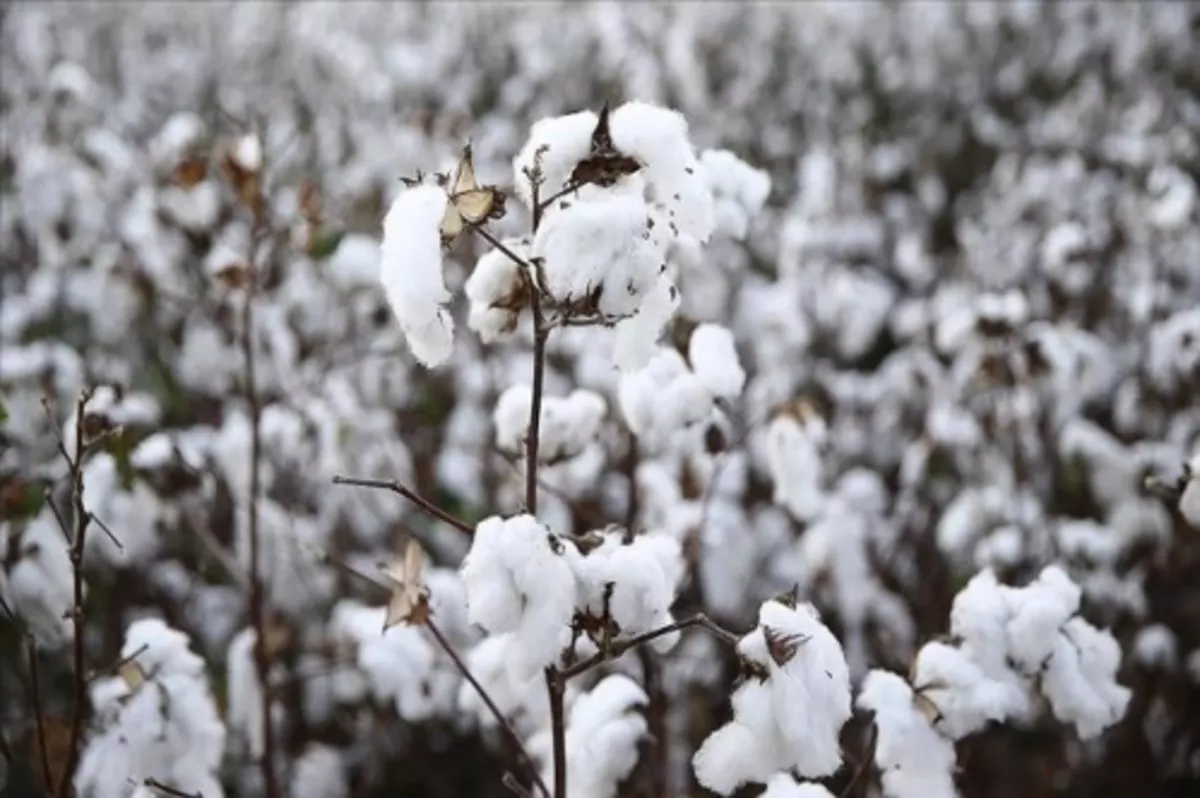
column 234, row 275
column 604, row 164
column 781, row 647
column 132, row 674
column 190, row 171
column 470, row 203
column 409, row 603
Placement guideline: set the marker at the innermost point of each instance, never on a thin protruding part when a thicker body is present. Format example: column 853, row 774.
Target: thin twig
column 618, row 648
column 500, row 245
column 38, row 714
column 166, row 789
column 256, row 598
column 82, row 519
column 656, row 712
column 108, row 532
column 864, row 763
column 425, row 504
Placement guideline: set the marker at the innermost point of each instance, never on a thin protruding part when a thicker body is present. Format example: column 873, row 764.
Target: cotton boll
column 784, row 786
column 790, row 717
column 1038, row 611
column 1080, row 679
column 602, row 736
column 658, row 138
column 495, row 290
column 560, row 142
column 916, row 761
column 526, row 702
column 966, row 699
column 739, row 190
column 599, row 250
column 319, row 773
column 195, row 209
column 40, row 586
column 410, row 270
column 714, row 360
column 637, row 337
column 794, row 460
column 662, row 400
column 566, row 427
column 639, row 578
column 519, row 579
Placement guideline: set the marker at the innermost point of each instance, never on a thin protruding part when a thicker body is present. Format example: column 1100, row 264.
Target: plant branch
column 256, row 599
column 82, row 519
column 166, row 789
column 618, row 648
column 864, row 763
column 38, row 714
column 425, row 504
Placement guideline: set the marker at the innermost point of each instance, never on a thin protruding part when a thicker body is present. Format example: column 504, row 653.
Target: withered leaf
column 234, row 275
column 409, row 603
column 604, row 164
column 782, row 647
column 190, row 171
column 470, row 203
column 132, row 674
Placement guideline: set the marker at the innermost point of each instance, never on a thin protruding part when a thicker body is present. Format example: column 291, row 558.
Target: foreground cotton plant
column 157, row 720
column 788, row 712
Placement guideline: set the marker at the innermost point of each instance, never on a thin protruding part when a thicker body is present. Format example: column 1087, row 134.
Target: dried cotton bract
column 789, row 711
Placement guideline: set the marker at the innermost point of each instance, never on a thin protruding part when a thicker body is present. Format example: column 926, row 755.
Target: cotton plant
column 602, row 735
column 790, row 709
column 38, row 580
column 156, row 720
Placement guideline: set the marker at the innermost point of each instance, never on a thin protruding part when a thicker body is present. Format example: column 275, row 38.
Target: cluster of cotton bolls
column 860, row 303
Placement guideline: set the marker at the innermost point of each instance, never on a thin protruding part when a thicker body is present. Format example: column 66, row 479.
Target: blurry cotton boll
column 38, row 585
column 739, row 190
column 784, row 786
column 161, row 723
column 411, row 272
column 319, row 773
column 663, row 400
column 714, row 360
column 135, row 512
column 566, row 425
column 602, row 736
column 1189, row 500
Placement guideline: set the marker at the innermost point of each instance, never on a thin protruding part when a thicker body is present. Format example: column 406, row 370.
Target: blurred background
column 979, row 262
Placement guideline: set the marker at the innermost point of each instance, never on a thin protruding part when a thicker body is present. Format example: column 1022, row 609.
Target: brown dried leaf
column 409, row 603
column 781, row 647
column 190, row 171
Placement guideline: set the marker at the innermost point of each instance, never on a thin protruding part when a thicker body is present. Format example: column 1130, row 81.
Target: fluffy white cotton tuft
column 714, row 360
column 496, row 291
column 566, row 427
column 663, row 399
column 519, row 579
column 784, row 786
column 637, row 337
column 790, row 719
column 794, row 458
column 563, row 141
column 915, row 760
column 739, row 191
column 410, row 270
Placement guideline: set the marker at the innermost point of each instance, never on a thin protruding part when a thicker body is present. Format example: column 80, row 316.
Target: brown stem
column 555, row 685
column 166, row 789
column 38, row 714
column 656, row 716
column 395, row 487
column 865, row 763
column 256, row 598
column 82, row 519
column 491, row 705
column 617, row 649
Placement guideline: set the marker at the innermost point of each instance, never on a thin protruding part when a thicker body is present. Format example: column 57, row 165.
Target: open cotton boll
column 402, row 665
column 784, row 786
column 658, row 138
column 1037, row 612
column 134, row 512
column 915, row 760
column 663, row 399
column 602, row 737
column 644, row 575
column 40, row 585
column 794, row 460
column 1080, row 679
column 166, row 728
column 599, row 250
column 637, row 336
column 495, row 290
column 566, row 427
column 739, row 190
column 519, row 579
column 563, row 142
column 714, row 360
column 965, row 698
column 410, row 269
column 526, row 702
column 789, row 717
